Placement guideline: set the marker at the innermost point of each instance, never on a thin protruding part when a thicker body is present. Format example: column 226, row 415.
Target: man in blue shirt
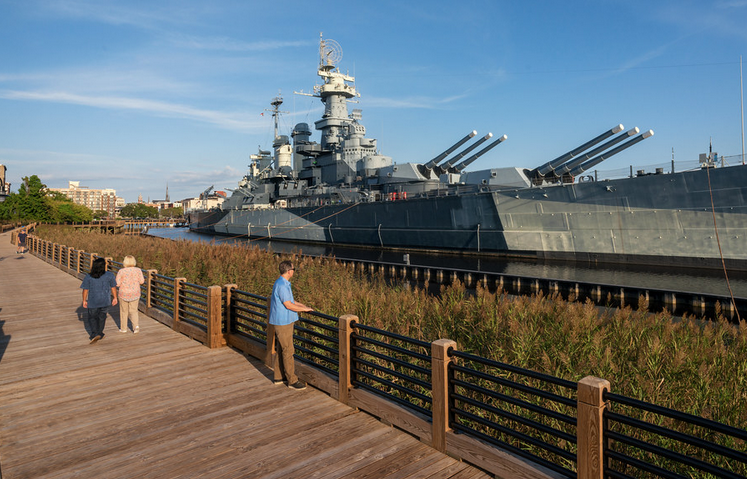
column 283, row 315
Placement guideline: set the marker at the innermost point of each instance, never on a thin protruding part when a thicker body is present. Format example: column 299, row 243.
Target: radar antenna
column 330, row 52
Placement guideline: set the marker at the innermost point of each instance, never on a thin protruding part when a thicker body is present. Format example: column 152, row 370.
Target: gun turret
column 452, row 161
column 446, row 153
column 596, row 160
column 551, row 165
column 567, row 167
column 461, row 166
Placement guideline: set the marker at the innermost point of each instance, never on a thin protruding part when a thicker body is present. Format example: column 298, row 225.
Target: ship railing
column 661, row 168
column 493, row 415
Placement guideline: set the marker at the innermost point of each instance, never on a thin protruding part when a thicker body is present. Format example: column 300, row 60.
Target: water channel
column 688, row 280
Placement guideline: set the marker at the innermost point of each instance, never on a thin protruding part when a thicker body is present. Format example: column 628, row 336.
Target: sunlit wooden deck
column 159, row 405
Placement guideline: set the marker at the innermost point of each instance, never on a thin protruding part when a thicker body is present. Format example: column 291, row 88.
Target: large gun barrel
column 464, row 164
column 596, row 160
column 551, row 165
column 567, row 167
column 452, row 161
column 446, row 153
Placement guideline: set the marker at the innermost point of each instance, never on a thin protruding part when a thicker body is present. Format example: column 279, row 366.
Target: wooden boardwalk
column 159, row 405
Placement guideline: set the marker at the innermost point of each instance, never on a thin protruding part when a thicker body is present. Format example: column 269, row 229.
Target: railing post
column 214, row 317
column 440, row 390
column 149, row 289
column 345, row 331
column 108, row 263
column 55, row 249
column 590, row 427
column 177, row 290
column 228, row 316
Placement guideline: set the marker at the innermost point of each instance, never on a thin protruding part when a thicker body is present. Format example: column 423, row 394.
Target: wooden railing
column 506, row 420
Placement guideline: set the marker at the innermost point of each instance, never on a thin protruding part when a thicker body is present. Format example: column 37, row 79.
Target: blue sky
column 135, row 95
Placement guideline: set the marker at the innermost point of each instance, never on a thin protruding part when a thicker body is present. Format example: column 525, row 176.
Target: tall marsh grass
column 680, row 363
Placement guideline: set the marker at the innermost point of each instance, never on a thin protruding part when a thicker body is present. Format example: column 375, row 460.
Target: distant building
column 4, row 187
column 103, row 199
column 205, row 202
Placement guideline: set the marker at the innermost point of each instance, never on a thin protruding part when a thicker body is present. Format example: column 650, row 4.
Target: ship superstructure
column 340, row 189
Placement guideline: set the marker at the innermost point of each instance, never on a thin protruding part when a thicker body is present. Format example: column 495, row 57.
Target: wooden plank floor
column 159, row 405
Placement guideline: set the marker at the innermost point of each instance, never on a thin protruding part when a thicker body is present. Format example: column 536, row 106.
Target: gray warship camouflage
column 342, row 191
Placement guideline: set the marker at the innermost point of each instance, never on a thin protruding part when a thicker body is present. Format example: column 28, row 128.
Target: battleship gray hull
column 664, row 219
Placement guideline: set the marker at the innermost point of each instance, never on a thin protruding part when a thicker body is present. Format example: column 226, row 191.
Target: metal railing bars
column 251, row 303
column 385, row 370
column 190, row 316
column 397, row 399
column 677, row 436
column 571, row 421
column 672, row 455
column 313, row 343
column 248, row 319
column 681, row 416
column 331, row 329
column 404, row 339
column 516, row 418
column 392, row 347
column 644, row 466
column 253, row 313
column 521, row 436
column 514, row 369
column 398, row 362
column 516, row 450
column 514, row 385
column 331, row 371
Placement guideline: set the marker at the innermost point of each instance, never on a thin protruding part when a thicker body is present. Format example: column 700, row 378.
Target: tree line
column 35, row 202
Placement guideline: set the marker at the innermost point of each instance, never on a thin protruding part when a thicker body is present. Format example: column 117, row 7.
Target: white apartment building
column 104, row 199
column 212, row 201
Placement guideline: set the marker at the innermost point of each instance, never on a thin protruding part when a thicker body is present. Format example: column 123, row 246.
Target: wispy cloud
column 420, row 102
column 120, row 13
column 174, row 110
column 227, row 173
column 725, row 18
column 233, row 45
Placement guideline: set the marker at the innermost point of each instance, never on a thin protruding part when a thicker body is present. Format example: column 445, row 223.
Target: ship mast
column 276, row 102
column 334, row 92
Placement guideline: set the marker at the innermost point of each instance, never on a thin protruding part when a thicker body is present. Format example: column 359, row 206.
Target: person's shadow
column 83, row 316
column 4, row 340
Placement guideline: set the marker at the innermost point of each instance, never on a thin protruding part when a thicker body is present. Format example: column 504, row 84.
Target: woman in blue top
column 99, row 292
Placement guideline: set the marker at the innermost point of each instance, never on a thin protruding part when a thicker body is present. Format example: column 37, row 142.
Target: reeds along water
column 688, row 365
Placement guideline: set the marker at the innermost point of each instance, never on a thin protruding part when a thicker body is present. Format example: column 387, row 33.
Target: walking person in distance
column 99, row 292
column 21, row 241
column 283, row 314
column 129, row 280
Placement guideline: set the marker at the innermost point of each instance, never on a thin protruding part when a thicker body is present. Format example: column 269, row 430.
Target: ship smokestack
column 551, row 165
column 461, row 166
column 595, row 161
column 446, row 153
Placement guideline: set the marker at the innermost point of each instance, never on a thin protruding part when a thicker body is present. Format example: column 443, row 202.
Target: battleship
column 342, row 191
